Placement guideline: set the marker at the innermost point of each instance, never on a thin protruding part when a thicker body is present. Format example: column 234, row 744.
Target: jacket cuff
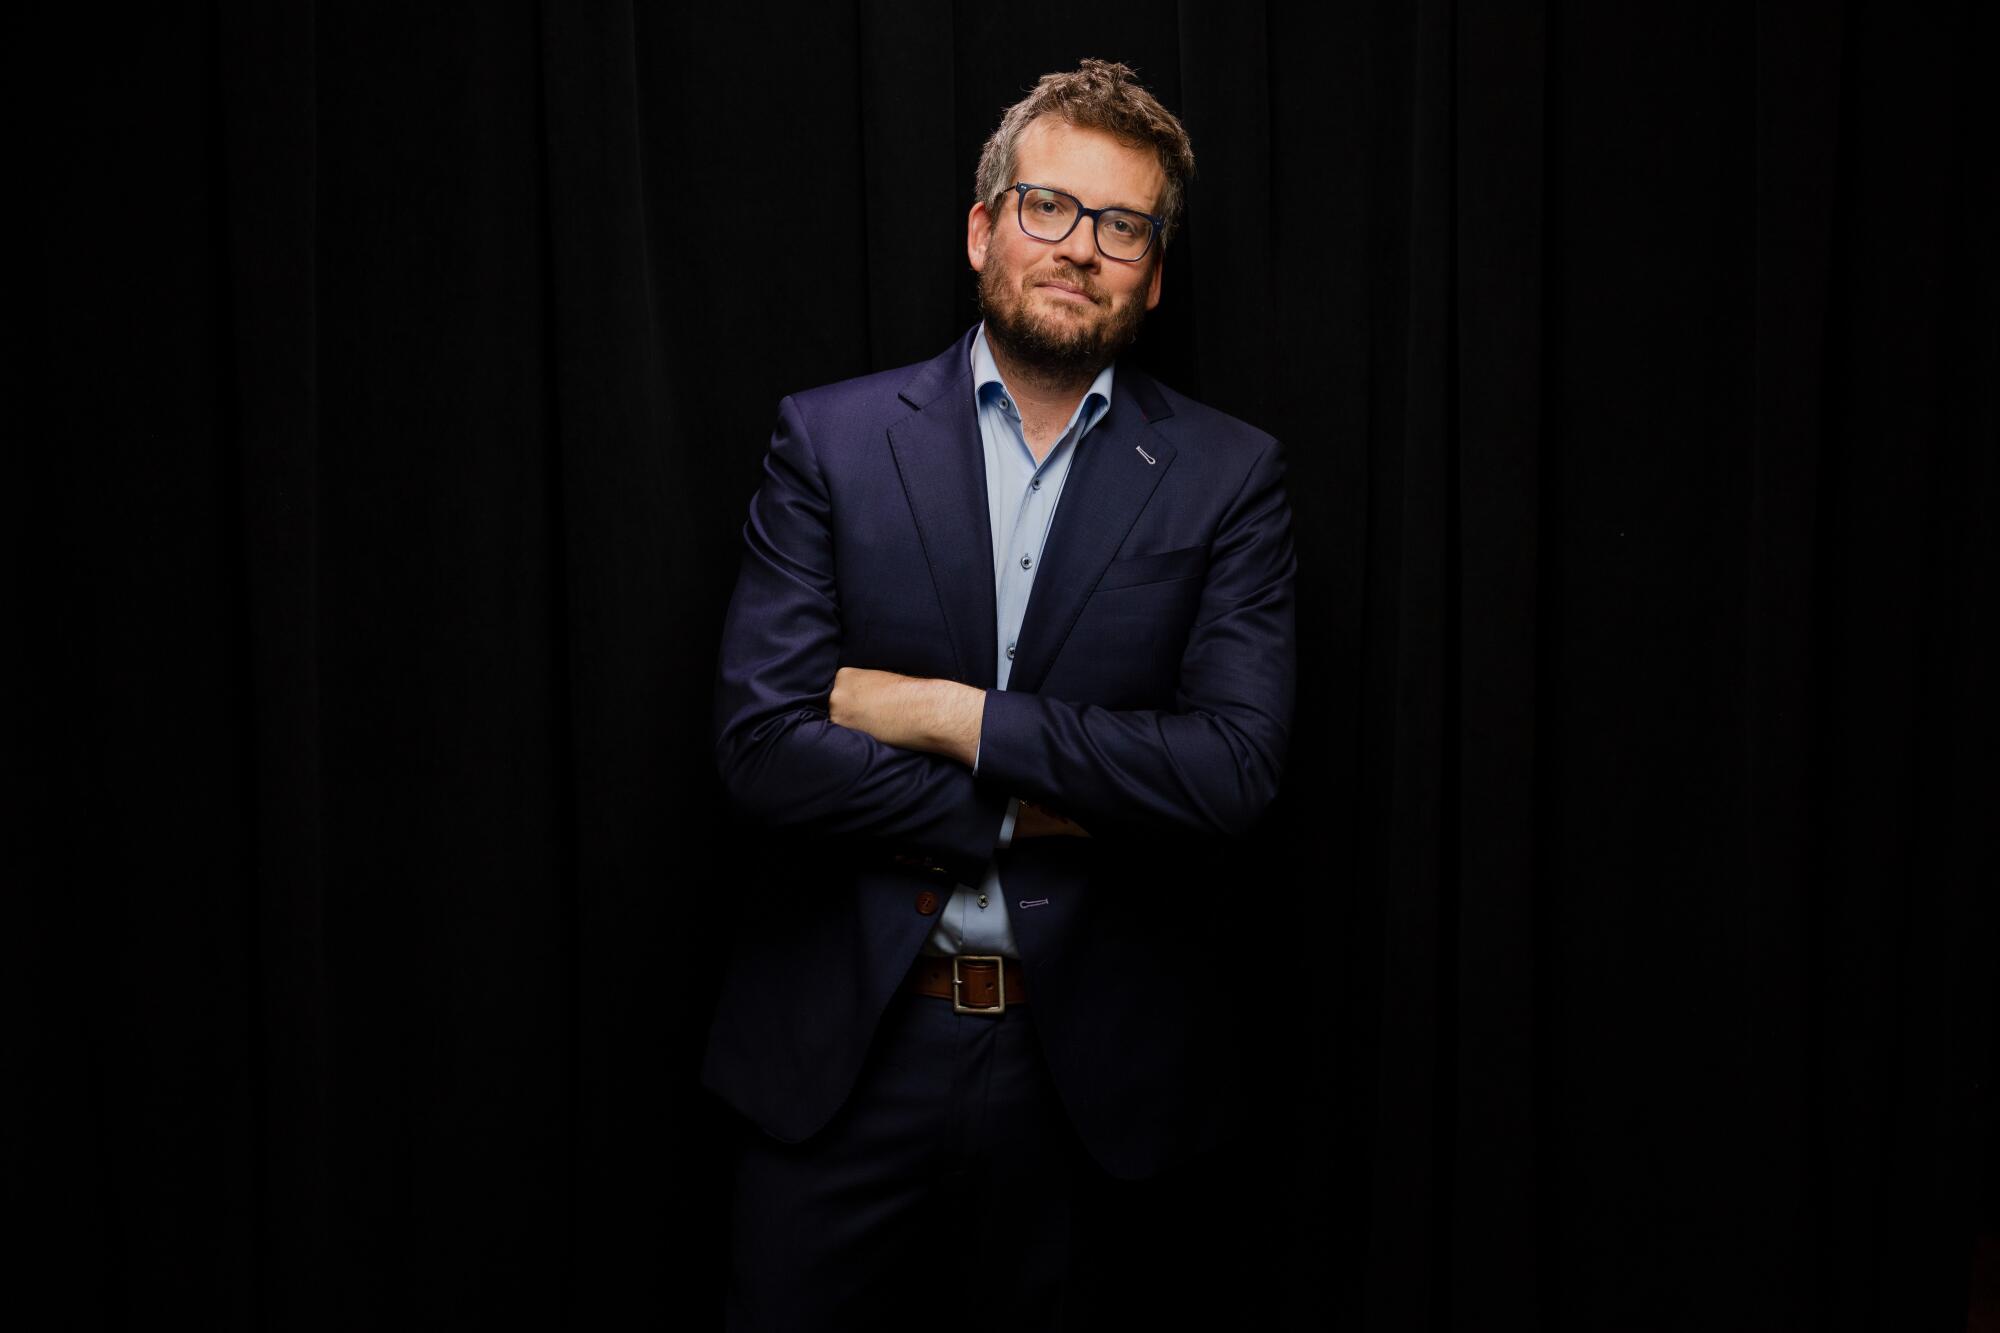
column 988, row 818
column 1011, row 724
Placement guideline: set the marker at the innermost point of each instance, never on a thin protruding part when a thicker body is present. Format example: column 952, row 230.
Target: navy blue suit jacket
column 1150, row 700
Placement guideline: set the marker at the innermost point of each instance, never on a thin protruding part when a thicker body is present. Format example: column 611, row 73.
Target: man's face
column 1061, row 307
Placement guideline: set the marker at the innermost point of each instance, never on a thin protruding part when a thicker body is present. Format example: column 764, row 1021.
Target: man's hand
column 1035, row 821
column 937, row 716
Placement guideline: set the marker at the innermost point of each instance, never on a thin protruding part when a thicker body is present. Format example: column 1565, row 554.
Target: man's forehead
column 1088, row 163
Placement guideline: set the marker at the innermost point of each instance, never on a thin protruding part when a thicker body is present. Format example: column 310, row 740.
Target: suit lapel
column 1113, row 475
column 943, row 470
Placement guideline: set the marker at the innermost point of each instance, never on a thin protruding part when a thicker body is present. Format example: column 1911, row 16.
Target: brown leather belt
column 968, row 981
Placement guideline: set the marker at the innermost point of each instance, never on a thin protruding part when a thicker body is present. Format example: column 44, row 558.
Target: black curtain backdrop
column 393, row 381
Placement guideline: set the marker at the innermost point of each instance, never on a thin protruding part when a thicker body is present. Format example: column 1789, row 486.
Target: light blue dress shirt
column 1021, row 498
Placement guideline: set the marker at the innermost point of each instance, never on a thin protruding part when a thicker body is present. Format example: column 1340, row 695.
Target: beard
column 1053, row 347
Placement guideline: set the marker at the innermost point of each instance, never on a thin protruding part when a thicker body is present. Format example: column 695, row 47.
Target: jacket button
column 927, row 902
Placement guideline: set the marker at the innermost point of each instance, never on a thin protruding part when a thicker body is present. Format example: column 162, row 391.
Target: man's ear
column 1153, row 287
column 978, row 234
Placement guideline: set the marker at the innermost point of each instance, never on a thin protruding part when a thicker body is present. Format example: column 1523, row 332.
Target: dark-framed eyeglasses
column 1123, row 234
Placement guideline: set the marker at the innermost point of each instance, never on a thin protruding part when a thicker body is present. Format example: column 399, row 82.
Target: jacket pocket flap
column 1159, row 567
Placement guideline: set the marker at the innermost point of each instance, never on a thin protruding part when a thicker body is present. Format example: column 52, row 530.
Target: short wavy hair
column 1098, row 95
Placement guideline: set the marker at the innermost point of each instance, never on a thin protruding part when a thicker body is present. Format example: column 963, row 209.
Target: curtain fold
column 265, row 360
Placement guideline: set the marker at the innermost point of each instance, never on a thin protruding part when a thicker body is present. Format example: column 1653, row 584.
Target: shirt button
column 1026, row 563
column 1010, row 652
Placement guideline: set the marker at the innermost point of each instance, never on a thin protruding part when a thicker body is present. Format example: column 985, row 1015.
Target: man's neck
column 1045, row 399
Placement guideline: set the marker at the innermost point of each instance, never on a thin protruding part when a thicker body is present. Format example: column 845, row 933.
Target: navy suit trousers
column 942, row 1187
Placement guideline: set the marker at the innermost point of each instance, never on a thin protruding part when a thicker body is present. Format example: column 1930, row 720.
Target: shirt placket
column 1018, row 556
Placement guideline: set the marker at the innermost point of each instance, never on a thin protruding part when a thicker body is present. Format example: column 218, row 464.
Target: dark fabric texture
column 393, row 382
column 952, row 1162
column 1154, row 710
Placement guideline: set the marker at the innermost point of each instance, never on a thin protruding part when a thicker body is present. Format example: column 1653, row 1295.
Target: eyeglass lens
column 1048, row 215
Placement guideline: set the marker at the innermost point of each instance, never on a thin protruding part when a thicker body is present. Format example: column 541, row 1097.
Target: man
column 1010, row 655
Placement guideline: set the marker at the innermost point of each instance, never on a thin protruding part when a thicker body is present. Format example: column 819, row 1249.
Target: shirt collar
column 987, row 386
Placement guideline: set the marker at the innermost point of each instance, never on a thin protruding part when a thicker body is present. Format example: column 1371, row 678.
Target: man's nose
column 1080, row 246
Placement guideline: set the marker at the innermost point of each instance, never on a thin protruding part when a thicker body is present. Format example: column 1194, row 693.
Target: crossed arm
column 938, row 717
column 839, row 751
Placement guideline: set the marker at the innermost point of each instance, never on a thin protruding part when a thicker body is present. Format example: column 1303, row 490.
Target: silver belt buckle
column 958, row 1005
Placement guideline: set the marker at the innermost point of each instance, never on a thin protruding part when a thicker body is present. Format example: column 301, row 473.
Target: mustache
column 1073, row 278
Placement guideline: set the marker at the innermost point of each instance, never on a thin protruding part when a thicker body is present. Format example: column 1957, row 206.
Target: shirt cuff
column 1007, row 824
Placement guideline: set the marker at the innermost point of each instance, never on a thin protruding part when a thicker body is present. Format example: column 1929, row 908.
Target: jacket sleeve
column 1211, row 764
column 780, row 759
